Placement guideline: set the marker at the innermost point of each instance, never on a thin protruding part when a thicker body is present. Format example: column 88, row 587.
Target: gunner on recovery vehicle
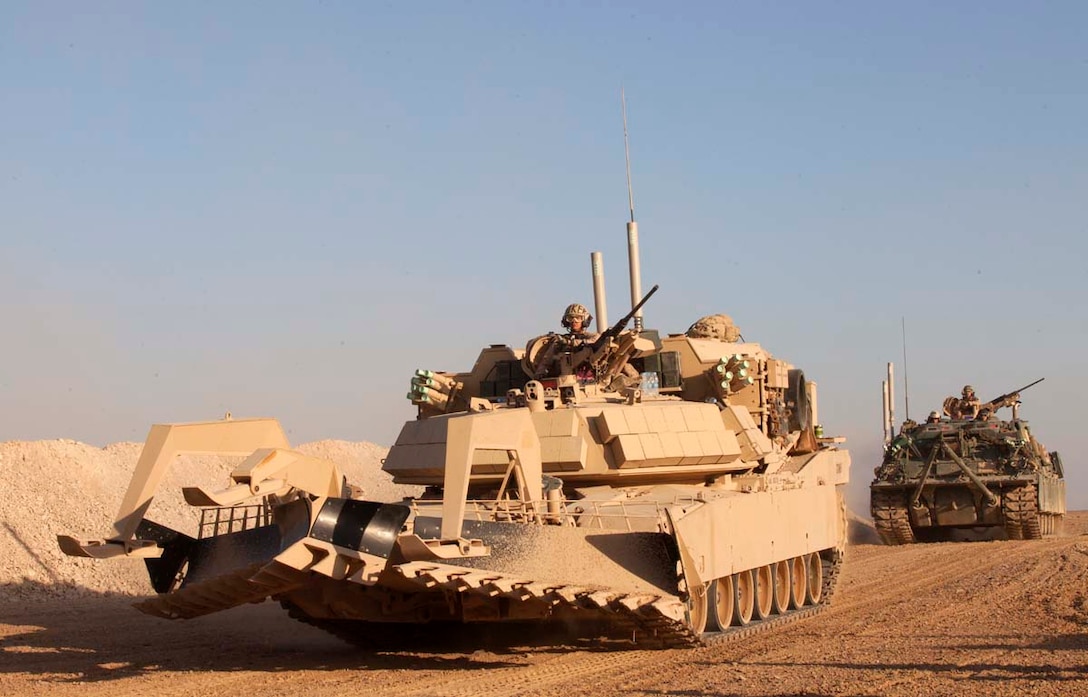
column 968, row 405
column 576, row 320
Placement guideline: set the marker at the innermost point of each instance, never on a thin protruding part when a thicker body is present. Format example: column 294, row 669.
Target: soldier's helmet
column 968, row 391
column 577, row 311
column 934, row 417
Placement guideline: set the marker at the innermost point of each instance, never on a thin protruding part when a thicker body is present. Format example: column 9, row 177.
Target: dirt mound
column 65, row 487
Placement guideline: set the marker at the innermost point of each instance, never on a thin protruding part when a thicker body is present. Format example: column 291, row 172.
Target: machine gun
column 565, row 356
column 614, row 331
column 1005, row 400
column 607, row 358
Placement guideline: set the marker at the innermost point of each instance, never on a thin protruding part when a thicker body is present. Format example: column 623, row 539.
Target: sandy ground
column 979, row 618
column 975, row 618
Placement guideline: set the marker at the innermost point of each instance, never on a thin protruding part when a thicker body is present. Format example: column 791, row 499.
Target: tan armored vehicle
column 690, row 495
column 966, row 472
column 666, row 489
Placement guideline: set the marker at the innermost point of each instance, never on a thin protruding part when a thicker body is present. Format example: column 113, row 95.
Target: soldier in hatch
column 576, row 320
column 968, row 405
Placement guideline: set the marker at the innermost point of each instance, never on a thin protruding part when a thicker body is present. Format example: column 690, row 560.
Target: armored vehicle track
column 891, row 519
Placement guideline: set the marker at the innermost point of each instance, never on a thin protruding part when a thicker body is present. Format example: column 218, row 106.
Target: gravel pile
column 65, row 487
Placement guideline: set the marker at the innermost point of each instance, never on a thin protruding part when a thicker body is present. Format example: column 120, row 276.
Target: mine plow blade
column 345, row 540
column 621, row 582
column 244, row 437
column 251, row 584
column 281, row 519
column 660, row 616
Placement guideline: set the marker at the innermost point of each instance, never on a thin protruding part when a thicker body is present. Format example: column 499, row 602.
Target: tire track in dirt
column 909, row 568
column 1019, row 578
column 876, row 603
column 766, row 645
column 944, row 615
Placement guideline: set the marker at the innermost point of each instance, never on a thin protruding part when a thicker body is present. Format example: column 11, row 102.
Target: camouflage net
column 718, row 327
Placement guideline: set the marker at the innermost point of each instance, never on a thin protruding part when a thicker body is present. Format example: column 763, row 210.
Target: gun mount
column 1009, row 399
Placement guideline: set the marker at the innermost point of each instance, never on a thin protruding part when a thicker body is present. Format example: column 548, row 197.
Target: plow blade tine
column 246, row 585
column 106, row 549
column 201, row 598
column 657, row 615
column 564, row 593
column 598, row 599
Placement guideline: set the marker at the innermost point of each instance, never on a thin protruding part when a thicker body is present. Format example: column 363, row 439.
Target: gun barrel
column 1031, row 384
column 616, row 328
column 1007, row 395
column 634, row 310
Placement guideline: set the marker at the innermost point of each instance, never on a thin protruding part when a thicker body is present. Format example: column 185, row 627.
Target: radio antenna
column 627, row 156
column 632, row 227
column 906, row 386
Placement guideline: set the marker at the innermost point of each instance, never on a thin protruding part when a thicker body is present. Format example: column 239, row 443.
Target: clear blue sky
column 284, row 208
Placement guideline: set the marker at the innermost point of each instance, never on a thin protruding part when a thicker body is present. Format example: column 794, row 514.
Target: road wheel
column 815, row 588
column 781, row 587
column 721, row 601
column 798, row 583
column 744, row 598
column 697, row 609
column 764, row 583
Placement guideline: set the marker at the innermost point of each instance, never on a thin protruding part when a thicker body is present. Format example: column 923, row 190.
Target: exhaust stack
column 636, row 276
column 888, row 388
column 884, row 414
column 596, row 261
column 891, row 399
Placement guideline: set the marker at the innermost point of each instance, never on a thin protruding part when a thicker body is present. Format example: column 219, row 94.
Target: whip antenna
column 632, row 228
column 627, row 157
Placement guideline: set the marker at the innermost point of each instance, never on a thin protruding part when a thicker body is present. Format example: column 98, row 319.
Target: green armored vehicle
column 967, row 469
